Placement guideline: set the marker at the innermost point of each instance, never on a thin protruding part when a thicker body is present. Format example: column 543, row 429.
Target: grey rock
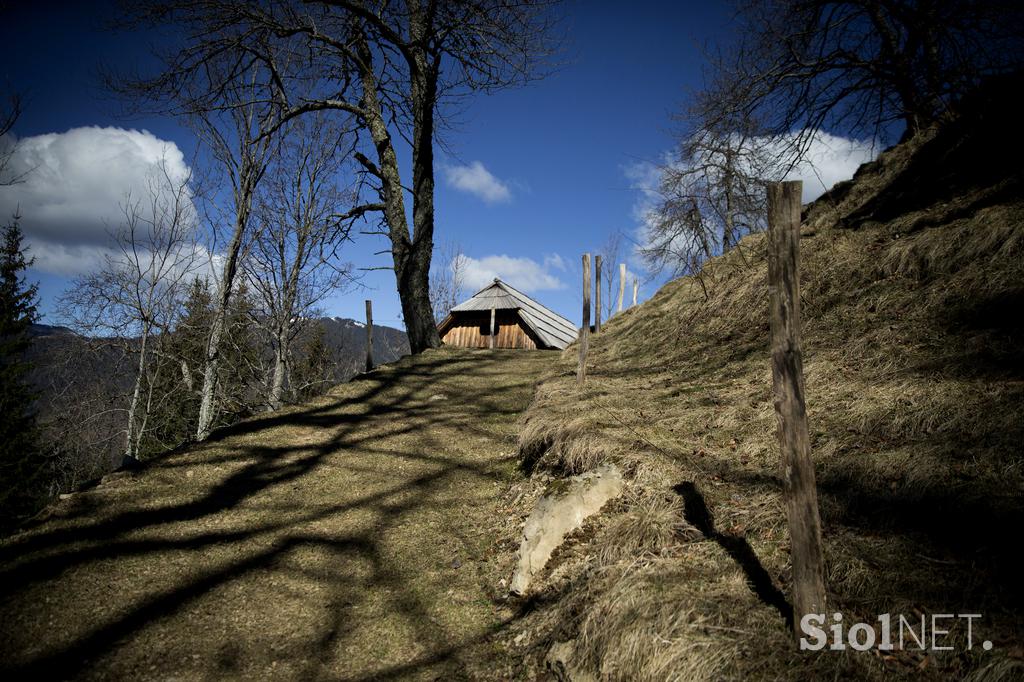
column 559, row 512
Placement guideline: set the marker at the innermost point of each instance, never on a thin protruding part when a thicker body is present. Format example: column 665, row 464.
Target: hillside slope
column 343, row 539
column 912, row 283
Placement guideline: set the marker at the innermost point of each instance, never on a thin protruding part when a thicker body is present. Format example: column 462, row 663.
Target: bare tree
column 10, row 111
column 293, row 263
column 447, row 279
column 392, row 65
column 9, row 114
column 228, row 82
column 235, row 125
column 611, row 254
column 859, row 65
column 134, row 299
column 710, row 192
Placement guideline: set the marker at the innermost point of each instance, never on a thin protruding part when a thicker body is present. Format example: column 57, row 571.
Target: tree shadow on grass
column 386, row 417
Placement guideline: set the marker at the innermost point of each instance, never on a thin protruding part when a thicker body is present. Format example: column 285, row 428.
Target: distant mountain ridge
column 347, row 339
column 37, row 330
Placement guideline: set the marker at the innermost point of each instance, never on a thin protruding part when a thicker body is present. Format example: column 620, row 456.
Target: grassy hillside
column 912, row 282
column 341, row 539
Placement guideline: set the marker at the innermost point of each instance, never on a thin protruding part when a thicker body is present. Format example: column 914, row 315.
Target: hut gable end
column 520, row 321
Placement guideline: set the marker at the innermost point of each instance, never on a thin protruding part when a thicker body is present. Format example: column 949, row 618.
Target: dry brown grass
column 649, row 524
column 915, row 387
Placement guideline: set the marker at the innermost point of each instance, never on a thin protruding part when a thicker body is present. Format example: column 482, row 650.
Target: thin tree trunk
column 133, row 407
column 728, row 238
column 145, row 420
column 206, row 406
column 280, row 371
column 492, row 329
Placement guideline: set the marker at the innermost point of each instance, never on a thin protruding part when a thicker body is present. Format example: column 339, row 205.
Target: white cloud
column 553, row 261
column 74, row 184
column 643, row 177
column 522, row 273
column 478, row 181
column 830, row 159
column 66, row 259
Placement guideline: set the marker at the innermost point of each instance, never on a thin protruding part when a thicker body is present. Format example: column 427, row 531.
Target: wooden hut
column 519, row 322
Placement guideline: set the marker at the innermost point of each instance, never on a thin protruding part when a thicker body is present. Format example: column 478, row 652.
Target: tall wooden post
column 799, row 490
column 636, row 288
column 597, row 294
column 369, row 335
column 581, row 373
column 622, row 285
column 492, row 328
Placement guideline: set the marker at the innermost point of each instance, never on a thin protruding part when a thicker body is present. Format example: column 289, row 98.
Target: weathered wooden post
column 622, row 285
column 636, row 288
column 799, row 490
column 597, row 294
column 369, row 335
column 492, row 328
column 581, row 373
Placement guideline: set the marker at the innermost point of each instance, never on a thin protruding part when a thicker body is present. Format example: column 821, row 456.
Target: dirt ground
column 343, row 539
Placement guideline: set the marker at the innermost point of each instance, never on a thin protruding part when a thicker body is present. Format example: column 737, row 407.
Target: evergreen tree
column 179, row 377
column 175, row 418
column 21, row 462
column 314, row 369
column 240, row 371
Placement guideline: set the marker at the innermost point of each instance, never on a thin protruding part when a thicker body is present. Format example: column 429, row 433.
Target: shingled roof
column 551, row 328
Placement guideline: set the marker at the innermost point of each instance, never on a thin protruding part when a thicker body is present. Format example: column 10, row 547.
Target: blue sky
column 532, row 178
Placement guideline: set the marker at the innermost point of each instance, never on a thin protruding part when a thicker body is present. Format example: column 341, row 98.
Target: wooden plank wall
column 472, row 331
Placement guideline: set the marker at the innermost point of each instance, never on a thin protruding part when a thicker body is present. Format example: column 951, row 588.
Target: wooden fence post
column 492, row 328
column 636, row 288
column 369, row 335
column 581, row 373
column 799, row 490
column 597, row 294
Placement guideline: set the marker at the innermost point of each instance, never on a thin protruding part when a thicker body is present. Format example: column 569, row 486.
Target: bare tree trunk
column 411, row 256
column 130, row 441
column 207, row 408
column 280, row 370
column 141, row 430
column 419, row 317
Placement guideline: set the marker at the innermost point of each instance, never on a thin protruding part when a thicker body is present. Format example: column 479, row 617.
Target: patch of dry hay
column 650, row 524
